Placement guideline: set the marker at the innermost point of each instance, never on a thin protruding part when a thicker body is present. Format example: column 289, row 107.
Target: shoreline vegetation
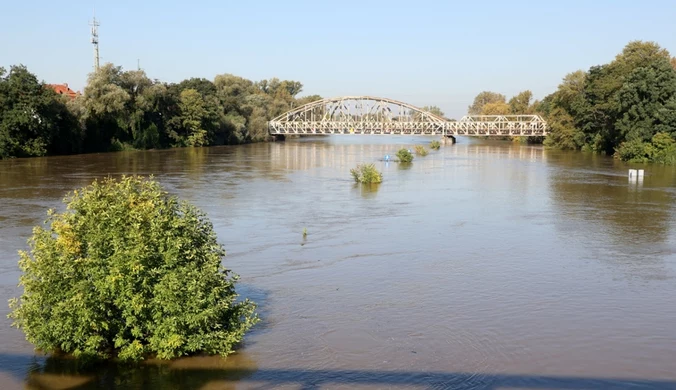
column 126, row 110
column 625, row 108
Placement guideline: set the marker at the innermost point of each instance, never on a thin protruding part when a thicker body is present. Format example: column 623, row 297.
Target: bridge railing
column 522, row 125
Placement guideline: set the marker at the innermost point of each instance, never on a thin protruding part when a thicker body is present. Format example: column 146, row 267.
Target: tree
column 497, row 108
column 34, row 120
column 193, row 116
column 484, row 98
column 106, row 109
column 203, row 86
column 601, row 108
column 128, row 271
column 563, row 134
column 307, row 99
column 648, row 102
column 521, row 103
column 637, row 54
column 569, row 94
column 617, row 108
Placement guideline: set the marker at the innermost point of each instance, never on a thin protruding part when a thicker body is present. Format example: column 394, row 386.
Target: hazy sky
column 422, row 52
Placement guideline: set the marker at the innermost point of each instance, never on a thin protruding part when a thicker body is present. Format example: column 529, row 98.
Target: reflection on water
column 483, row 265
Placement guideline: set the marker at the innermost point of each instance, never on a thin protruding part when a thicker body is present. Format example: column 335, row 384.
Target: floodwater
column 485, row 265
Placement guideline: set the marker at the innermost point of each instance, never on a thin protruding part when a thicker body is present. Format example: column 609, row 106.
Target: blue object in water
column 387, row 157
column 409, row 150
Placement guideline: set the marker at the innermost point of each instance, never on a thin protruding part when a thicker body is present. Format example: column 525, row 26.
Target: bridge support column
column 279, row 137
column 449, row 139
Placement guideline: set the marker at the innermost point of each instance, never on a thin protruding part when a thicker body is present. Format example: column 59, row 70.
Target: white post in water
column 636, row 176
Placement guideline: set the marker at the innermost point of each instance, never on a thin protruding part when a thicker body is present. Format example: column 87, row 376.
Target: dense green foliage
column 626, row 107
column 122, row 110
column 436, row 145
column 482, row 100
column 34, row 121
column 404, row 156
column 366, row 174
column 128, row 271
column 420, row 151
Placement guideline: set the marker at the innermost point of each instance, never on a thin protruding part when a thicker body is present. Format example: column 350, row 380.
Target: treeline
column 127, row 110
column 626, row 108
column 492, row 103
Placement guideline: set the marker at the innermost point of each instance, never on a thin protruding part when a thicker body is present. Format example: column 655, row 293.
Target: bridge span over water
column 374, row 115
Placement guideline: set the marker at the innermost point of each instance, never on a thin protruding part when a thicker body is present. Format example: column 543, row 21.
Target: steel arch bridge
column 374, row 115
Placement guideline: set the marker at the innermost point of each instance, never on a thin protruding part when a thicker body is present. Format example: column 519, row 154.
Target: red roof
column 63, row 89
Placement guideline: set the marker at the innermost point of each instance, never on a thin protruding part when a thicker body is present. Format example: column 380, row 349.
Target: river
column 485, row 265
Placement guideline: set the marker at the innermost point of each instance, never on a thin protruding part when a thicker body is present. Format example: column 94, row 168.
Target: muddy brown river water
column 485, row 265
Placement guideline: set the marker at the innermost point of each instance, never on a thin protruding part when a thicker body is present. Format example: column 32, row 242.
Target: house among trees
column 63, row 89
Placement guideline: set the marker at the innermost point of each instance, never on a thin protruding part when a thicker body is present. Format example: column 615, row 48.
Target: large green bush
column 128, row 271
column 366, row 174
column 661, row 149
column 404, row 155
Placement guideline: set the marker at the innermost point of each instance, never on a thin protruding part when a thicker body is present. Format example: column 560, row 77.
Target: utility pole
column 95, row 42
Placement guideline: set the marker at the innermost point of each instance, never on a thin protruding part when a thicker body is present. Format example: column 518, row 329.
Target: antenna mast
column 95, row 42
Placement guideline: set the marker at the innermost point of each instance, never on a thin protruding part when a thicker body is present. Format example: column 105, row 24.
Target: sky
column 421, row 52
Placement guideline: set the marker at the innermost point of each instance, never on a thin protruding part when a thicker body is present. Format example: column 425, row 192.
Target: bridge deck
column 464, row 127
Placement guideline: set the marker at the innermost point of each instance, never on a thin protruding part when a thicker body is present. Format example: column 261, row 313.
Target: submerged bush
column 128, row 271
column 661, row 149
column 421, row 151
column 404, row 155
column 366, row 174
column 435, row 145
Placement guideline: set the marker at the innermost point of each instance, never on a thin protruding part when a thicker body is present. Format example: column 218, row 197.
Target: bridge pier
column 448, row 139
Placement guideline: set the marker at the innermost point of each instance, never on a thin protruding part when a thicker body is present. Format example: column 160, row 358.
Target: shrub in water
column 420, row 150
column 128, row 271
column 366, row 174
column 404, row 155
column 435, row 145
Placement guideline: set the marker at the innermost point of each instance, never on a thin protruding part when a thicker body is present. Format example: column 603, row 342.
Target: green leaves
column 484, row 98
column 124, row 110
column 404, row 156
column 364, row 174
column 128, row 271
column 619, row 107
column 34, row 120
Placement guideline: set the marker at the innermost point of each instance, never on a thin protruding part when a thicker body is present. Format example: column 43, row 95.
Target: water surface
column 485, row 265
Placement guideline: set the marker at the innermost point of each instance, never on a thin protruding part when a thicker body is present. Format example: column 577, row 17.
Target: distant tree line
column 626, row 108
column 127, row 110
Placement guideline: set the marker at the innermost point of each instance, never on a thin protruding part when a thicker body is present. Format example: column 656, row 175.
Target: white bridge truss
column 373, row 115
